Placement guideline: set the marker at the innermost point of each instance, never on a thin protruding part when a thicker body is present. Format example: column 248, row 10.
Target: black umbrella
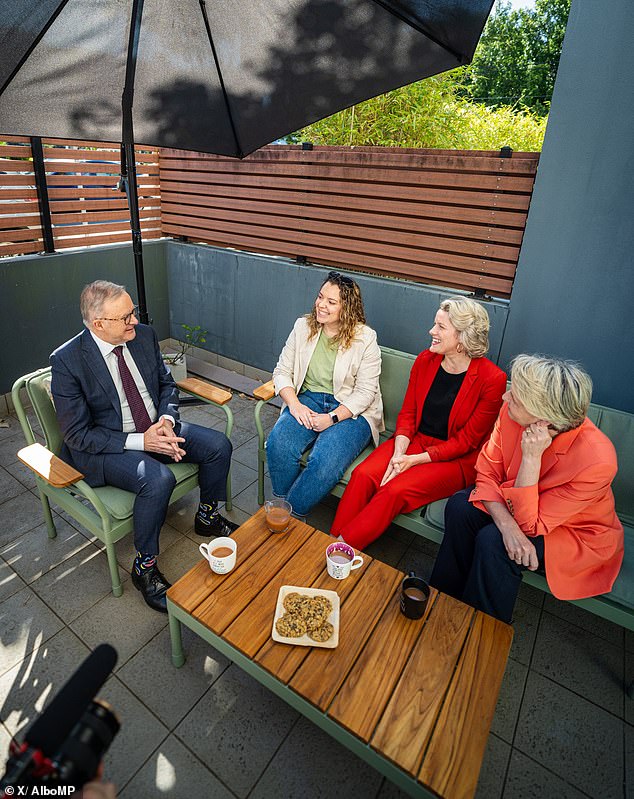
column 225, row 77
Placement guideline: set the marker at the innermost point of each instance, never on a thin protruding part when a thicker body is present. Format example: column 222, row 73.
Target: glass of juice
column 278, row 515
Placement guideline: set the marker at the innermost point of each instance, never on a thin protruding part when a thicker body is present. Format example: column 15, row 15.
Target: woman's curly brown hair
column 352, row 313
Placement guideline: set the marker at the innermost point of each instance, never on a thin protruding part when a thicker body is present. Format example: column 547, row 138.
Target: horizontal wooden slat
column 16, row 222
column 21, row 249
column 100, row 216
column 26, row 234
column 111, row 238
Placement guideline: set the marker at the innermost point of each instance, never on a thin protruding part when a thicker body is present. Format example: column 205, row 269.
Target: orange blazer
column 472, row 416
column 572, row 505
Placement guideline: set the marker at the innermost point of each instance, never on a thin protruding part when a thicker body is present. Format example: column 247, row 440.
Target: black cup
column 414, row 596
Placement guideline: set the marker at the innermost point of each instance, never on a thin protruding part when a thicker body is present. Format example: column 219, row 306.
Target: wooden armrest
column 49, row 467
column 265, row 392
column 204, row 390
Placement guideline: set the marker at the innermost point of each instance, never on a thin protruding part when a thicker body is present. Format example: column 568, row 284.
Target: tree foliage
column 502, row 98
column 516, row 60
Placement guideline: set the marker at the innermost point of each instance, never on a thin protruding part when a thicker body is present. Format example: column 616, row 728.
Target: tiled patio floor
column 563, row 728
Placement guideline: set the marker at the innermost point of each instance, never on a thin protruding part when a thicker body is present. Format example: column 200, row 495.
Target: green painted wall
column 39, row 299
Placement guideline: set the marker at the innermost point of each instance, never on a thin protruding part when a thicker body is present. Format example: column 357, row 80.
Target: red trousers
column 367, row 508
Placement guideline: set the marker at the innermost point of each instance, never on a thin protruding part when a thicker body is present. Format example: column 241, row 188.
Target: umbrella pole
column 128, row 159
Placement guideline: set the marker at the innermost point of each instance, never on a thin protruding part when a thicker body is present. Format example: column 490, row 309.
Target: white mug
column 341, row 560
column 223, row 561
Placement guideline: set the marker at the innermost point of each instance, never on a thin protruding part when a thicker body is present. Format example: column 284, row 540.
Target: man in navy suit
column 117, row 407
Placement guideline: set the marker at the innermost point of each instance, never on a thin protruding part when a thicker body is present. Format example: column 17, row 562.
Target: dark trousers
column 472, row 564
column 146, row 474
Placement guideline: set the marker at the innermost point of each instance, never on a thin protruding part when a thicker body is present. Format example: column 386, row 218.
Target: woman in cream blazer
column 328, row 377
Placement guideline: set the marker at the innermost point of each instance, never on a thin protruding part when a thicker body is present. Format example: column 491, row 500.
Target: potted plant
column 177, row 361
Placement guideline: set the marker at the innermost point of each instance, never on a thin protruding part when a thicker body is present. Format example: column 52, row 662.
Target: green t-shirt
column 322, row 364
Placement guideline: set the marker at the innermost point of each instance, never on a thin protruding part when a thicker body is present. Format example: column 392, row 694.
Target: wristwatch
column 334, row 417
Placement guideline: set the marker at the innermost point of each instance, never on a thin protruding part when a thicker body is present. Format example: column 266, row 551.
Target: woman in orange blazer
column 452, row 399
column 542, row 497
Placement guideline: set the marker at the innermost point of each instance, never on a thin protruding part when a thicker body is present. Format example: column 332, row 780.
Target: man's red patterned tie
column 138, row 410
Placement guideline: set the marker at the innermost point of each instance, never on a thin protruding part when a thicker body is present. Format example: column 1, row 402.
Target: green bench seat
column 618, row 605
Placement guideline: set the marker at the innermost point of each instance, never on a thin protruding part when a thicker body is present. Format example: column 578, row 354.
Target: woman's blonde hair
column 472, row 323
column 552, row 389
column 352, row 313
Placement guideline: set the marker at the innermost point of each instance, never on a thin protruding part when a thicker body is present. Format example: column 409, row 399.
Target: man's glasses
column 337, row 277
column 125, row 319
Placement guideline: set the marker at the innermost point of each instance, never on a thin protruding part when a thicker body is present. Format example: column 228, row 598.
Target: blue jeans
column 333, row 451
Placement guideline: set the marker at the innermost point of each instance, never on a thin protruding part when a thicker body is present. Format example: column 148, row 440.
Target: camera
column 66, row 744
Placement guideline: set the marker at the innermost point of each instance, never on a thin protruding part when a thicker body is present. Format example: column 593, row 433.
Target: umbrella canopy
column 219, row 77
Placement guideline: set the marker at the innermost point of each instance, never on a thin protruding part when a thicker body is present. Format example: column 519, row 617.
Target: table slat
column 283, row 660
column 410, row 716
column 253, row 626
column 362, row 698
column 231, row 597
column 199, row 582
column 452, row 763
column 324, row 670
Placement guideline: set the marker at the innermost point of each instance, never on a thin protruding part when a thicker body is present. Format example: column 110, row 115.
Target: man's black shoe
column 153, row 586
column 213, row 525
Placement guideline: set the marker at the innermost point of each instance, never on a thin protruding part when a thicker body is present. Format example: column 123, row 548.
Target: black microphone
column 50, row 730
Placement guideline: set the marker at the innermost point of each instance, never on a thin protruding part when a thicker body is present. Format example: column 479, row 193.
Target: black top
column 440, row 398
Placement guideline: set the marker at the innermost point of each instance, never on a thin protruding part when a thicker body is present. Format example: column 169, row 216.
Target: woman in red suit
column 452, row 401
column 542, row 498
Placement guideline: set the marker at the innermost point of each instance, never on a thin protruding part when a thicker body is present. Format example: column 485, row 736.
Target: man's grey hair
column 94, row 296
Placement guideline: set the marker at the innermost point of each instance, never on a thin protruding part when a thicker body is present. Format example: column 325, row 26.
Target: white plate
column 305, row 640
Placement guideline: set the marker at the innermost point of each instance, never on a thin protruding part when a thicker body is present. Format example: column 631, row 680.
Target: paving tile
column 525, row 624
column 582, row 618
column 10, row 581
column 493, row 771
column 298, row 768
column 19, row 515
column 417, row 561
column 236, row 728
column 35, row 554
column 239, row 435
column 242, row 476
column 532, row 595
column 629, row 762
column 247, row 454
column 419, row 542
column 571, row 737
column 25, row 623
column 30, row 685
column 629, row 640
column 580, row 661
column 140, row 734
column 21, row 473
column 168, row 692
column 126, row 622
column 9, row 486
column 13, row 428
column 321, row 517
column 389, row 791
column 199, row 415
column 528, row 780
column 5, row 740
column 247, row 500
column 387, row 550
column 180, row 514
column 9, row 446
column 172, row 772
column 509, row 700
column 180, row 557
column 629, row 680
column 77, row 584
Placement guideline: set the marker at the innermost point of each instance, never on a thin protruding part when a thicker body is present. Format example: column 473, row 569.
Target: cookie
column 293, row 601
column 290, row 626
column 322, row 634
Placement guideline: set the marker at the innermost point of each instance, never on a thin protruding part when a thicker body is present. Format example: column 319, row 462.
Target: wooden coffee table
column 415, row 699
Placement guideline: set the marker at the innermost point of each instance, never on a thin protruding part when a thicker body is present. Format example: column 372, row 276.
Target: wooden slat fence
column 445, row 217
column 86, row 207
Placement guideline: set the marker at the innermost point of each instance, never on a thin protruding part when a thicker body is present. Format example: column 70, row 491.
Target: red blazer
column 572, row 506
column 473, row 413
